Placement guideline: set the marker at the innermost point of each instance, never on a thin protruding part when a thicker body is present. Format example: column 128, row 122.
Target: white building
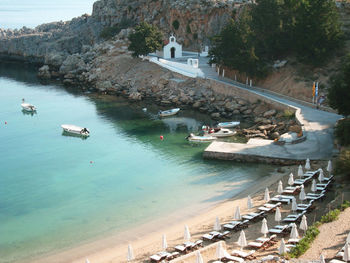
column 172, row 49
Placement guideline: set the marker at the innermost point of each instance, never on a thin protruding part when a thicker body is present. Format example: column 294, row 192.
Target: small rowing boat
column 27, row 107
column 219, row 132
column 75, row 130
column 168, row 112
column 228, row 124
column 205, row 138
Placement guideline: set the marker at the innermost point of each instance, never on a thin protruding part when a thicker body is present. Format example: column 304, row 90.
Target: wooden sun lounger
column 228, row 257
column 293, row 217
column 242, row 254
column 293, row 240
column 280, row 200
column 269, row 207
column 253, row 216
column 180, row 248
column 294, row 190
column 304, row 180
column 159, row 256
column 232, row 225
column 280, row 230
column 315, row 197
column 304, row 207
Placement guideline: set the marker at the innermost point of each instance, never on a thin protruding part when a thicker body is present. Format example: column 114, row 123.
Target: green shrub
column 342, row 131
column 195, row 36
column 111, row 31
column 342, row 165
column 344, row 205
column 330, row 216
column 288, row 114
column 305, row 242
column 176, row 24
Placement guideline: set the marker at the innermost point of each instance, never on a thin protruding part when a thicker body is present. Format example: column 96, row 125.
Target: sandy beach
column 146, row 239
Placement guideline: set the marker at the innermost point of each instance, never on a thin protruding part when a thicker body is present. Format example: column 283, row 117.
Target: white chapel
column 172, row 49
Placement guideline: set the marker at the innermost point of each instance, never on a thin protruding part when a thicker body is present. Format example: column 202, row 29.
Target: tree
column 146, row 39
column 234, row 47
column 317, row 30
column 339, row 92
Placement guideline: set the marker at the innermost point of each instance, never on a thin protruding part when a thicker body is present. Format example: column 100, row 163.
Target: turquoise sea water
column 30, row 13
column 57, row 191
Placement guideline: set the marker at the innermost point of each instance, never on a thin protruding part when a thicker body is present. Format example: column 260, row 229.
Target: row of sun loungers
column 215, row 235
column 262, row 242
column 236, row 225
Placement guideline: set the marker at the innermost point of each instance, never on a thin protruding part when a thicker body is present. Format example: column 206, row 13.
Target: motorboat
column 75, row 130
column 27, row 107
column 228, row 124
column 218, row 132
column 168, row 112
column 205, row 138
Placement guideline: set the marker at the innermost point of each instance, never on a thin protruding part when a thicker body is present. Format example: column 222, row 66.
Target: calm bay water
column 30, row 13
column 57, row 191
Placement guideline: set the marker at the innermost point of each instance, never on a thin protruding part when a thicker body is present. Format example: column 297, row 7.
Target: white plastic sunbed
column 242, row 254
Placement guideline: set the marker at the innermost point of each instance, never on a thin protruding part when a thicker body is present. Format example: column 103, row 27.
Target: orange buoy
column 161, row 137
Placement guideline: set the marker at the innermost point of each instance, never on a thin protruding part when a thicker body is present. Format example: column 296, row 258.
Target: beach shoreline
column 146, row 238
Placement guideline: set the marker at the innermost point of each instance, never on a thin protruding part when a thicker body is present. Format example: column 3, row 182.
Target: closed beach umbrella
column 264, row 228
column 280, row 187
column 282, row 249
column 329, row 166
column 130, row 256
column 242, row 241
column 313, row 186
column 250, row 202
column 321, row 175
column 278, row 216
column 300, row 171
column 291, row 179
column 302, row 195
column 187, row 235
column 199, row 258
column 294, row 204
column 267, row 195
column 237, row 214
column 220, row 252
column 87, row 261
column 303, row 224
column 164, row 243
column 322, row 259
column 307, row 164
column 217, row 226
column 348, row 238
column 294, row 233
column 346, row 256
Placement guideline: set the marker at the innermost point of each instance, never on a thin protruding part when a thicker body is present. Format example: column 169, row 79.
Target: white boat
column 228, row 124
column 166, row 113
column 27, row 107
column 221, row 132
column 75, row 129
column 205, row 138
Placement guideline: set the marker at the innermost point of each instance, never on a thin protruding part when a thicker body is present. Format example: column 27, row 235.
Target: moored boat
column 205, row 138
column 222, row 132
column 27, row 106
column 166, row 113
column 228, row 124
column 73, row 129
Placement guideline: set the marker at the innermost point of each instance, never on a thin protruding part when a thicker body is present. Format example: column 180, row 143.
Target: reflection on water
column 68, row 134
column 31, row 113
column 175, row 122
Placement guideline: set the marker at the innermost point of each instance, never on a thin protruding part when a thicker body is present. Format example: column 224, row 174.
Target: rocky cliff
column 192, row 21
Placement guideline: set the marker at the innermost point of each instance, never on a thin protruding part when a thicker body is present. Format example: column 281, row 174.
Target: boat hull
column 75, row 130
column 169, row 112
column 228, row 124
column 28, row 107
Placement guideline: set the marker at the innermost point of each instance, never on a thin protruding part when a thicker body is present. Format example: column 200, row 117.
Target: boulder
column 269, row 113
column 215, row 115
column 197, row 104
column 231, row 106
column 275, row 135
column 267, row 127
column 73, row 63
column 44, row 72
column 135, row 96
column 295, row 128
column 104, row 85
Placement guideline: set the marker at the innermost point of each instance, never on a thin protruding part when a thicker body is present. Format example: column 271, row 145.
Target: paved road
column 318, row 126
